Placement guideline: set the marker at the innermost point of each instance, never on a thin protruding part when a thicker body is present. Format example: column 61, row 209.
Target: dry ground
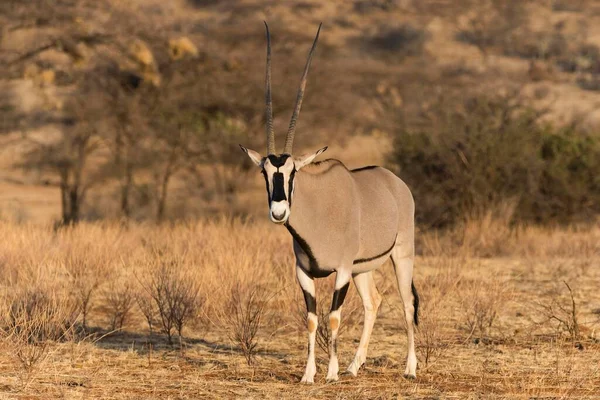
column 496, row 315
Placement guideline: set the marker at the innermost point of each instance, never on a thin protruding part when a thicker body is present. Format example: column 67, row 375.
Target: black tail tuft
column 415, row 302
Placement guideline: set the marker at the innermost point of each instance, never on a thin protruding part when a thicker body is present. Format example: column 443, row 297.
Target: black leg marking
column 415, row 302
column 311, row 302
column 339, row 296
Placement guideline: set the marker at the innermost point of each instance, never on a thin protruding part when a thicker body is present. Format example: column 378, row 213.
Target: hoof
column 307, row 381
column 333, row 378
column 350, row 373
column 410, row 377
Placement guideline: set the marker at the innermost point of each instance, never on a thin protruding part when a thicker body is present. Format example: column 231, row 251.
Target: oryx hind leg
column 365, row 285
column 403, row 261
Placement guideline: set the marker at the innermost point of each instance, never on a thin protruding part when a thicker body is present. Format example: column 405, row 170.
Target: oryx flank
column 343, row 221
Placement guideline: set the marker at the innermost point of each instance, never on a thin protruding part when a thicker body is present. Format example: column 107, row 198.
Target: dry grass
column 497, row 319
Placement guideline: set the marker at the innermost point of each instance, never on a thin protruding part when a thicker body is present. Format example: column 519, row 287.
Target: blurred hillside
column 114, row 108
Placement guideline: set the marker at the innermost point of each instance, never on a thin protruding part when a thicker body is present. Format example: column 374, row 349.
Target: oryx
column 343, row 221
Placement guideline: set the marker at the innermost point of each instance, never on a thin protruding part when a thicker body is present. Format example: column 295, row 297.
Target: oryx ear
column 306, row 159
column 254, row 156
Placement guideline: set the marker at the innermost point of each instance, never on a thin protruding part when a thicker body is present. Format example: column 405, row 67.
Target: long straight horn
column 289, row 140
column 268, row 99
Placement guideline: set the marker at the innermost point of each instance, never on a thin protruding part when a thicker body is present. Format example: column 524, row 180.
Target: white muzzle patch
column 279, row 212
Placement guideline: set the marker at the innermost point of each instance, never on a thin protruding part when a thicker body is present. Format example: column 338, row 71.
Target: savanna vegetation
column 213, row 310
column 136, row 261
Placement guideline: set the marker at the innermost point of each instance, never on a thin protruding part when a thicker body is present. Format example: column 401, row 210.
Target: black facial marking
column 338, row 297
column 278, row 161
column 278, row 190
column 363, row 260
column 314, row 270
column 291, row 185
column 311, row 302
column 267, row 183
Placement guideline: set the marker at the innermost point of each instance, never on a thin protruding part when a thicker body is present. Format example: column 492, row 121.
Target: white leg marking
column 404, row 274
column 311, row 366
column 308, row 285
column 365, row 285
column 334, row 325
column 342, row 280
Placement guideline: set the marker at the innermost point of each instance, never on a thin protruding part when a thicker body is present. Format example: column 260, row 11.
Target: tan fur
column 312, row 326
column 345, row 216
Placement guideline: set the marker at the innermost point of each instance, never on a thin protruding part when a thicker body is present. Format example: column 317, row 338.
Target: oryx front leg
column 365, row 285
column 342, row 281
column 308, row 289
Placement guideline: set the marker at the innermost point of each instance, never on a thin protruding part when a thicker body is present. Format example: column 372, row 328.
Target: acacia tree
column 68, row 157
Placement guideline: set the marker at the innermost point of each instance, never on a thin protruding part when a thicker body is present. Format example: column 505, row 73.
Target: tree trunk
column 74, row 205
column 126, row 184
column 65, row 200
column 162, row 196
column 164, row 185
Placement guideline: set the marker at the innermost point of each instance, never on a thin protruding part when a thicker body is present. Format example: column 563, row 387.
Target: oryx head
column 279, row 169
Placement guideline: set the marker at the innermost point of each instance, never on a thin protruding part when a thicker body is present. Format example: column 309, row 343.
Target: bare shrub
column 323, row 336
column 563, row 313
column 87, row 269
column 430, row 340
column 148, row 309
column 246, row 316
column 481, row 302
column 31, row 319
column 436, row 291
column 171, row 297
column 119, row 299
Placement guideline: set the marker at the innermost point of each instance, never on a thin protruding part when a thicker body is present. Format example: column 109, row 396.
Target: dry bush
column 119, row 299
column 246, row 315
column 172, row 297
column 323, row 336
column 87, row 267
column 477, row 152
column 437, row 290
column 33, row 318
column 431, row 345
column 146, row 305
column 481, row 302
column 562, row 313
